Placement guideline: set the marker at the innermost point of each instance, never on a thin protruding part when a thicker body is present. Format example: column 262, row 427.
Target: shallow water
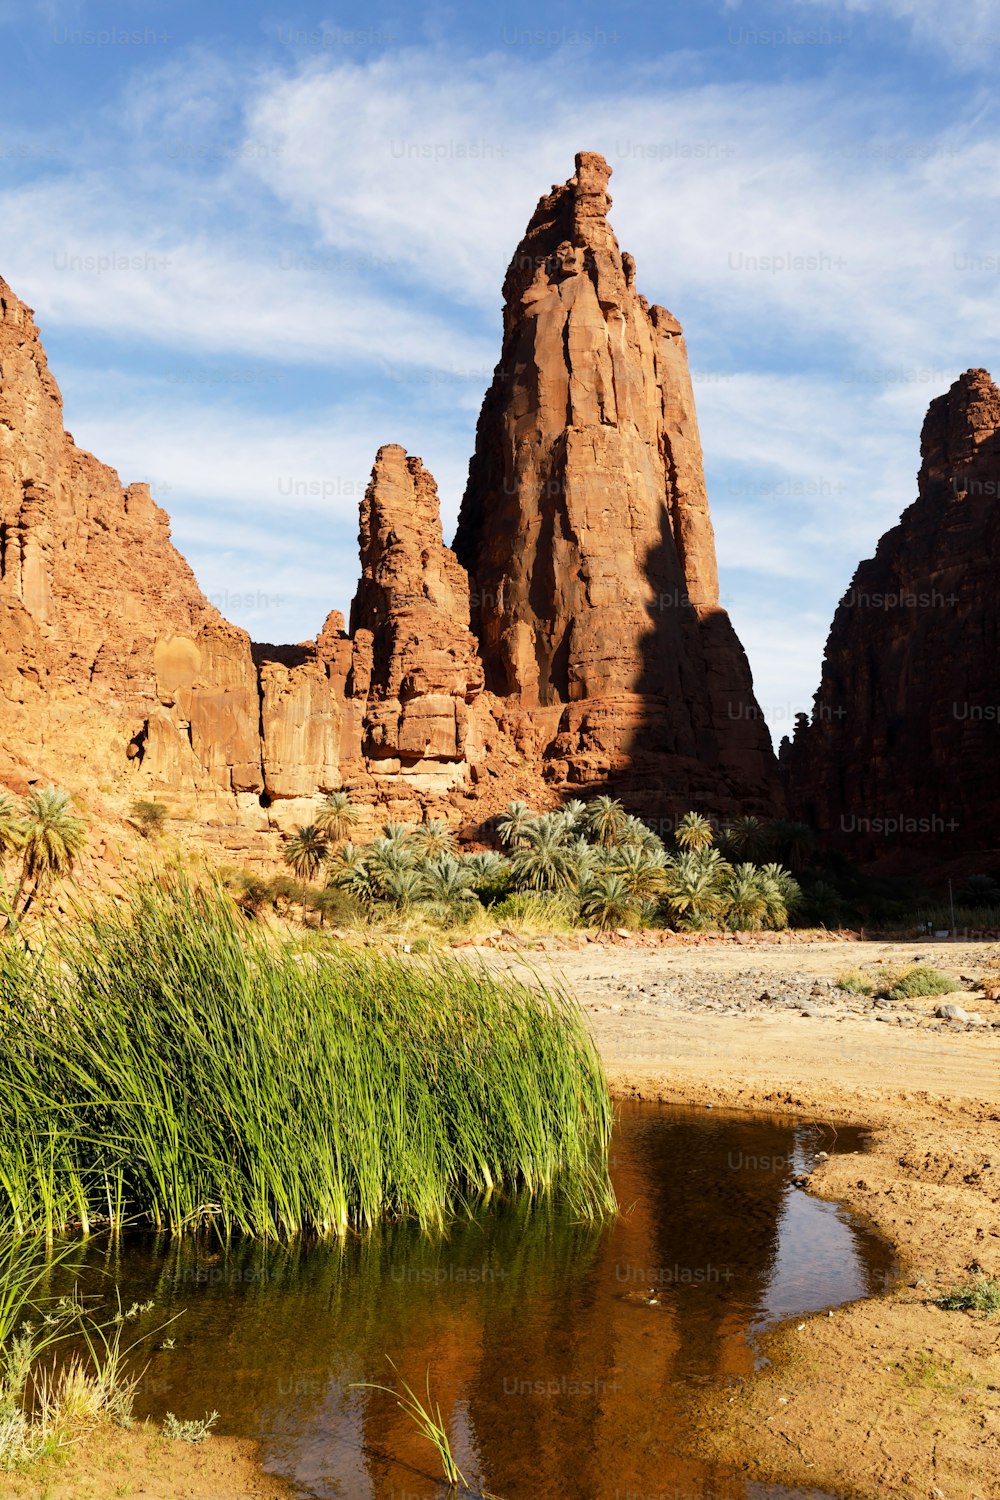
column 563, row 1357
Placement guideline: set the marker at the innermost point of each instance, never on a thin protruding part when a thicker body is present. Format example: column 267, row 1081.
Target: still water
column 563, row 1357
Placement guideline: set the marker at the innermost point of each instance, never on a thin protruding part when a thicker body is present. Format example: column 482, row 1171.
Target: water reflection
column 563, row 1356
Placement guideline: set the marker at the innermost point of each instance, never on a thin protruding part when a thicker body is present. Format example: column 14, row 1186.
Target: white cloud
column 969, row 34
column 357, row 217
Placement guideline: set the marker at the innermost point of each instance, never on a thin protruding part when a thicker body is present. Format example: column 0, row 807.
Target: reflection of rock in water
column 556, row 1373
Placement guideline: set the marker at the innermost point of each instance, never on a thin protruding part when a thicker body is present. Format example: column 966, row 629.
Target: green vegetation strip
column 166, row 1063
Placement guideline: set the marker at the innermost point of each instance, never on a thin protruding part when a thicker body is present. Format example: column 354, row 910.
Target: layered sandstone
column 112, row 658
column 585, row 529
column 903, row 748
column 587, row 648
column 417, row 662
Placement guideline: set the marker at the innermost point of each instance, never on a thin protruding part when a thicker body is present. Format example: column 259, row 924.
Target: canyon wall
column 902, row 752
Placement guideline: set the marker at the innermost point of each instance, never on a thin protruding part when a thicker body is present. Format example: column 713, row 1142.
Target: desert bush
column 981, row 1295
column 920, row 980
column 855, row 982
column 150, row 816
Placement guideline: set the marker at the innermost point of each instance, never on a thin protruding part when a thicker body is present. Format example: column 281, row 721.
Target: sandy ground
column 146, row 1465
column 891, row 1397
column 888, row 1399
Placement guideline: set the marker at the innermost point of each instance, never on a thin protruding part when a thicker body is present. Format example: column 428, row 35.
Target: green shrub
column 150, row 817
column 195, row 1430
column 536, row 911
column 856, row 982
column 920, row 980
column 979, row 1295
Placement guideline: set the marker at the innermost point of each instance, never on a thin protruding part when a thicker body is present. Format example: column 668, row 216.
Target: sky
column 261, row 241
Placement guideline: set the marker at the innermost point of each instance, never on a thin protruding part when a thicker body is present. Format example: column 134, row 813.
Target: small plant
column 194, row 1431
column 43, row 1406
column 150, row 817
column 429, row 1422
column 855, row 982
column 980, row 1295
column 920, row 980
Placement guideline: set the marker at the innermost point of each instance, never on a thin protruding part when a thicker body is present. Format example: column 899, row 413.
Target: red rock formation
column 113, row 661
column 414, row 600
column 586, row 531
column 595, row 611
column 903, row 750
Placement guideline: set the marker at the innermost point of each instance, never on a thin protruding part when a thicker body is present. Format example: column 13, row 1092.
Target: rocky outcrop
column 417, row 658
column 113, row 659
column 586, row 649
column 586, row 532
column 903, row 747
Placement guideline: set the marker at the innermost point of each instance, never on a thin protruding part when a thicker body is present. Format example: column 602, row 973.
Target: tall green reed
column 168, row 1064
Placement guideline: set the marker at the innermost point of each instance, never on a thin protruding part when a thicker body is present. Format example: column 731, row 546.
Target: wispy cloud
column 345, row 222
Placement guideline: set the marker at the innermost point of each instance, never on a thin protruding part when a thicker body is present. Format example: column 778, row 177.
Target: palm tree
column 305, row 851
column 784, row 894
column 387, row 858
column 11, row 826
column 546, row 861
column 448, row 885
column 349, row 872
column 694, row 832
column 641, row 875
column 396, row 833
column 693, row 886
column 488, row 874
column 337, row 816
column 978, row 890
column 404, row 888
column 636, row 835
column 432, row 837
column 746, row 837
column 512, row 824
column 605, row 901
column 574, row 811
column 746, row 900
column 606, row 818
column 793, row 842
column 50, row 838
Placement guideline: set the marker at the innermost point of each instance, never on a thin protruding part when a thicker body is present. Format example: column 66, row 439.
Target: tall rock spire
column 585, row 523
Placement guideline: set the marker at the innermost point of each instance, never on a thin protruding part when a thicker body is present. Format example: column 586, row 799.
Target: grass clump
column 429, row 1422
column 47, row 1401
column 980, row 1295
column 167, row 1063
column 920, row 980
column 855, row 982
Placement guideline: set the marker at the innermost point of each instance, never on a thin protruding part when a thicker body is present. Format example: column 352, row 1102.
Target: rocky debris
column 910, row 687
column 712, row 991
column 603, row 623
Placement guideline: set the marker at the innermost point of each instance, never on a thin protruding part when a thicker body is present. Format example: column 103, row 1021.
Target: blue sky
column 261, row 241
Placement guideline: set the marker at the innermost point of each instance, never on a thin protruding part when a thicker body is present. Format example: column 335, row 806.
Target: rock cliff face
column 903, row 750
column 573, row 638
column 416, row 660
column 111, row 656
column 585, row 529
